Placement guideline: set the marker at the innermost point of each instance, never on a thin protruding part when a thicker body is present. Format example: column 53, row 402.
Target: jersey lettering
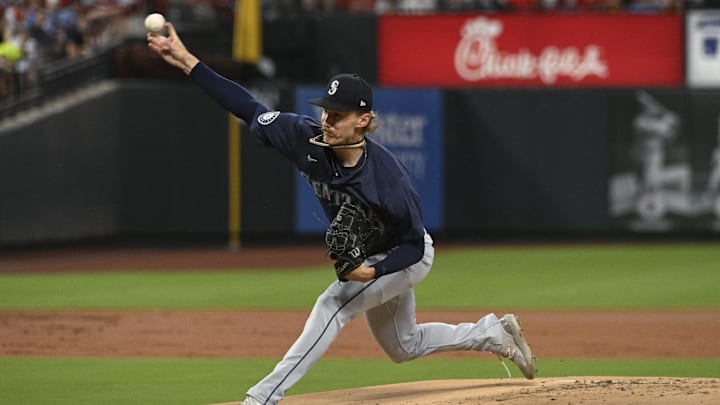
column 325, row 193
column 335, row 198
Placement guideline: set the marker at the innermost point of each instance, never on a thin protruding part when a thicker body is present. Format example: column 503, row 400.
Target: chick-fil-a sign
column 531, row 50
column 477, row 57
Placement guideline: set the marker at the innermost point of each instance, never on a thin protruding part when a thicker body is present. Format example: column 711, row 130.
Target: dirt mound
column 564, row 390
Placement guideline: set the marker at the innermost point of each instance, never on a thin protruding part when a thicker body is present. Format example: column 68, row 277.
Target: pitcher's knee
column 399, row 354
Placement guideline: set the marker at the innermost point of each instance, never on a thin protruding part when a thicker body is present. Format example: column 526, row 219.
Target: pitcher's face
column 343, row 127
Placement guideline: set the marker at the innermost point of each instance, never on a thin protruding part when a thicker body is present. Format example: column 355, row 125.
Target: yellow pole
column 247, row 48
column 234, row 200
column 247, row 43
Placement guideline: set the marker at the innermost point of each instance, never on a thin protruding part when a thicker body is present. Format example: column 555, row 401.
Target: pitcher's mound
column 563, row 390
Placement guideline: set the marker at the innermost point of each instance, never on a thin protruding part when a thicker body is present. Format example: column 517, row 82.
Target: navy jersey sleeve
column 284, row 131
column 281, row 131
column 230, row 95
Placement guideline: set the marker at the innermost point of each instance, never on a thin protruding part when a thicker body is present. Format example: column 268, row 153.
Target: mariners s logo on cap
column 346, row 92
column 333, row 87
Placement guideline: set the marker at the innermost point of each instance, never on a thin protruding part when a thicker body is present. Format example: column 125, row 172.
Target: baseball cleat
column 515, row 348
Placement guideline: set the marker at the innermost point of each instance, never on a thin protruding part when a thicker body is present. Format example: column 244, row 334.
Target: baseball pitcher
column 376, row 235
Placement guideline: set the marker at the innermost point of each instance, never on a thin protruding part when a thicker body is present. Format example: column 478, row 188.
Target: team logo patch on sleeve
column 268, row 117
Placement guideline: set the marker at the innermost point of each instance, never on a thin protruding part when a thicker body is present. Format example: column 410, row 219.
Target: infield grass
column 575, row 277
column 83, row 381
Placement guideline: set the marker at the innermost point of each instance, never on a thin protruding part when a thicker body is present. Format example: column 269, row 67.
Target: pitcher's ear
column 364, row 119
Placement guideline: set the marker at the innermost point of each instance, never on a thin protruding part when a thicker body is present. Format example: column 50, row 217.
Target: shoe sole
column 521, row 343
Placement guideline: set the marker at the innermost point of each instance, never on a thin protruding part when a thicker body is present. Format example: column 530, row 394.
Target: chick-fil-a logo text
column 477, row 58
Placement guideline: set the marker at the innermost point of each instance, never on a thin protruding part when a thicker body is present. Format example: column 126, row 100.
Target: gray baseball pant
column 388, row 304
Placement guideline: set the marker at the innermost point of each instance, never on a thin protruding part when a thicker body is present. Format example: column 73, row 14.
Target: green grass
column 147, row 289
column 78, row 381
column 632, row 277
column 604, row 277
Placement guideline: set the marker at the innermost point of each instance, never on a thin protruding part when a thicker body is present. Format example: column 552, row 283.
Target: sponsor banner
column 703, row 48
column 410, row 125
column 665, row 166
column 531, row 50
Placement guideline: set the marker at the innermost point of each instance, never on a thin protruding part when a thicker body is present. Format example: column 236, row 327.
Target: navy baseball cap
column 346, row 92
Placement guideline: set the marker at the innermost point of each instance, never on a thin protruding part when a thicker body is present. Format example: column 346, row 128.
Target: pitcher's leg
column 340, row 303
column 394, row 327
column 337, row 306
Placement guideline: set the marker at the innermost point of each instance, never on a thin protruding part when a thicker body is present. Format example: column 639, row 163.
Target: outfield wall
column 148, row 161
column 140, row 160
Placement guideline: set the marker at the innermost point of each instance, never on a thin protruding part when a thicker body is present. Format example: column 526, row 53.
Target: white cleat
column 515, row 348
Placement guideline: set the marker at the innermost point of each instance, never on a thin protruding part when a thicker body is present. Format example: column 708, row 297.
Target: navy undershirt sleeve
column 230, row 95
column 406, row 254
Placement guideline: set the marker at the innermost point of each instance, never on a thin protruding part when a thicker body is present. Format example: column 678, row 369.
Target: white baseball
column 154, row 22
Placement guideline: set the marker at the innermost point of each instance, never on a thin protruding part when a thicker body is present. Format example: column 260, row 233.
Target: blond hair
column 373, row 124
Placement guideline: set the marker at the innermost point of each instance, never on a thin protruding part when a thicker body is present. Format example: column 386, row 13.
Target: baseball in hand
column 154, row 22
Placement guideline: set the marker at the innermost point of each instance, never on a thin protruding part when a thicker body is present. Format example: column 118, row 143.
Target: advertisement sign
column 665, row 171
column 531, row 50
column 410, row 125
column 703, row 48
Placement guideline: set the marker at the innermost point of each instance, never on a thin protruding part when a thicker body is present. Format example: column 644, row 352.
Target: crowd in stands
column 284, row 7
column 37, row 32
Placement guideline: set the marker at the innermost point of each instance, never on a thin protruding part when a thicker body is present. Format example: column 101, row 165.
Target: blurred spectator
column 385, row 7
column 25, row 68
column 274, row 9
column 523, row 5
column 417, row 6
column 651, row 6
column 73, row 43
column 358, row 6
column 38, row 32
column 73, row 36
column 631, row 6
column 702, row 4
column 453, row 6
column 571, row 5
column 10, row 53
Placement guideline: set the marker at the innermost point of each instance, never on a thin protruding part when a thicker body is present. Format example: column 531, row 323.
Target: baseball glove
column 347, row 237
